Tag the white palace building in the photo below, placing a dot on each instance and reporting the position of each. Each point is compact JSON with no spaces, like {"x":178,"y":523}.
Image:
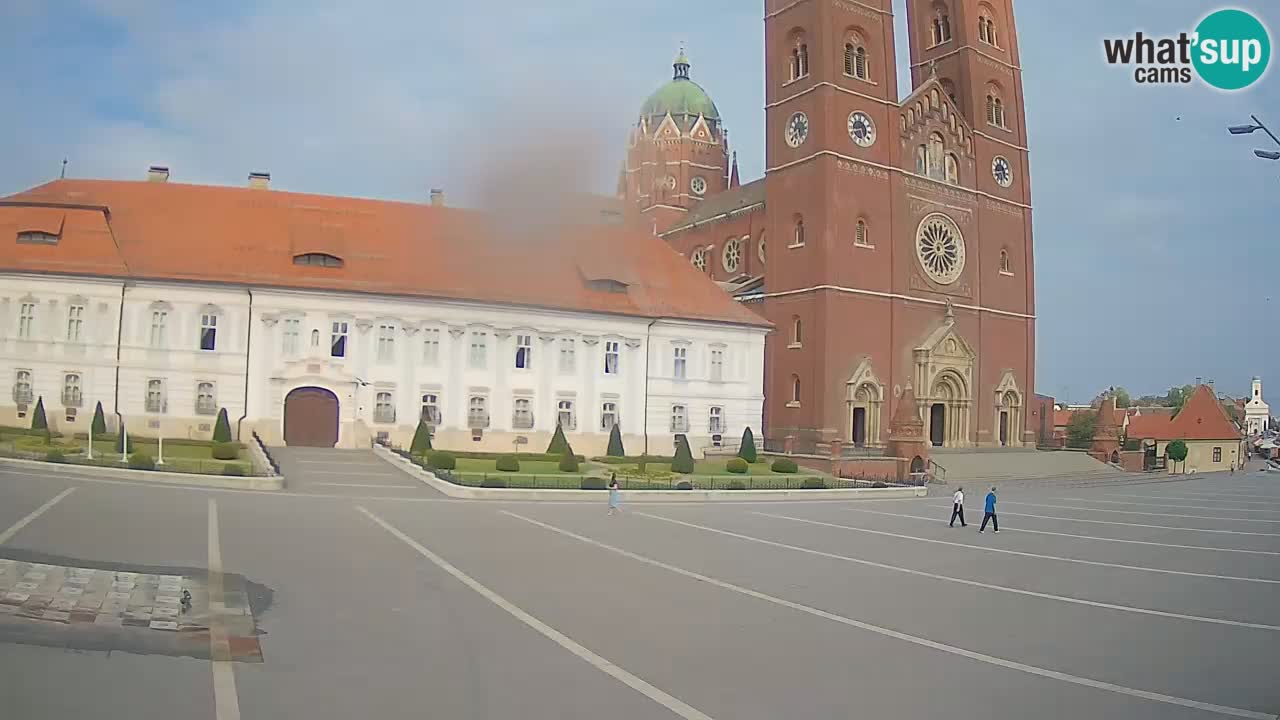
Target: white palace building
{"x":327,"y":321}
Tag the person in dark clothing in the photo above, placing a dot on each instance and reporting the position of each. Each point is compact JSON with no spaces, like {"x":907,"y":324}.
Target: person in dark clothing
{"x":957,"y":509}
{"x":990,"y":513}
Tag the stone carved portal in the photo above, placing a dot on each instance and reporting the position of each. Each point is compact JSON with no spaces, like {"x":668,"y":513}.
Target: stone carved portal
{"x":1008,"y":411}
{"x":944,"y":369}
{"x":864,"y":395}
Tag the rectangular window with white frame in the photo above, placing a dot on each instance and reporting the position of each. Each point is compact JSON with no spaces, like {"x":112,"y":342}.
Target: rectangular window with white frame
{"x":608,"y":416}
{"x":384,"y":407}
{"x":75,"y":323}
{"x":157,"y":399}
{"x":71,"y":394}
{"x":680,"y":362}
{"x":159,"y":328}
{"x":338,"y":340}
{"x":524,"y":352}
{"x":717,"y":364}
{"x":522,"y":414}
{"x":565,"y":415}
{"x":715,"y":420}
{"x":430,"y":409}
{"x":479,"y":357}
{"x":206,"y":401}
{"x":290,"y":334}
{"x":386,"y":344}
{"x":478,"y":412}
{"x":26,"y":319}
{"x":431,"y":347}
{"x":612,"y":357}
{"x":23,"y":394}
{"x":568,"y":356}
{"x":679,"y":419}
{"x":208,"y":331}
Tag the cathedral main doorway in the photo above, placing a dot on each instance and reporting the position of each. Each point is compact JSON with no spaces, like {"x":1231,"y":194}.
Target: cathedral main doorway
{"x":937,"y":424}
{"x":311,"y":418}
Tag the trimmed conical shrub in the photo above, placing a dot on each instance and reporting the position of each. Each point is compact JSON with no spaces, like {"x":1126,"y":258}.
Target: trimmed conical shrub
{"x":99,"y":421}
{"x":421,"y":439}
{"x":222,"y":428}
{"x":559,"y":445}
{"x":615,"y":443}
{"x":38,"y":420}
{"x":683,"y":461}
{"x":747,"y":449}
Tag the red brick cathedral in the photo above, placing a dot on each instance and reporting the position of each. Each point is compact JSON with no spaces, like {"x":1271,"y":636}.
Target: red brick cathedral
{"x":889,"y":241}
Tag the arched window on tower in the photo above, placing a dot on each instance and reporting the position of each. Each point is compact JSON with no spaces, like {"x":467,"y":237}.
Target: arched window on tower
{"x":795,"y":390}
{"x":995,"y":108}
{"x":936,"y":157}
{"x":798,"y":240}
{"x":855,"y":60}
{"x":797,"y":331}
{"x":987,"y":29}
{"x":1005,"y":268}
{"x":861,"y":237}
{"x":849,"y":51}
{"x":804,"y":59}
{"x":795,"y":64}
{"x":953,"y":169}
{"x":922,"y":162}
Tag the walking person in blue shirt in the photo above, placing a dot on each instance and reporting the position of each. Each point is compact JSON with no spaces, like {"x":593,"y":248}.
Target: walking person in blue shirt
{"x":990,"y":513}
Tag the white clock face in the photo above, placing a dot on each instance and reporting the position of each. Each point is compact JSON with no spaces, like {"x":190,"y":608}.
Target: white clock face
{"x":1002,"y":171}
{"x":797,"y":129}
{"x":862,"y":130}
{"x":698,"y":185}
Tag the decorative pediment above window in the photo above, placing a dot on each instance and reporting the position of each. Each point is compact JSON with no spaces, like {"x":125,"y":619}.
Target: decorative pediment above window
{"x":547,"y":338}
{"x":632,"y":343}
{"x":411,"y":330}
{"x":590,"y":340}
{"x":364,"y":325}
{"x":502,"y":334}
{"x":270,"y":320}
{"x":457,"y":330}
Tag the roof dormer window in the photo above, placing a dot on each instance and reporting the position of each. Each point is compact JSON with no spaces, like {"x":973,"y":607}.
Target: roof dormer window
{"x":37,"y":237}
{"x":318,"y":260}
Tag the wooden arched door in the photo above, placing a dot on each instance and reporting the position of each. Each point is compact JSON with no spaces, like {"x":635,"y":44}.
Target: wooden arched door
{"x":311,"y":418}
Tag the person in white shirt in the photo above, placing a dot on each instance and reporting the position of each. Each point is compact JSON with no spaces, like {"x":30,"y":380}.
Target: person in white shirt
{"x":958,"y":510}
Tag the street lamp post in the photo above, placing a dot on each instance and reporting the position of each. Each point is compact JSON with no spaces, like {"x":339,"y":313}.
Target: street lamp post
{"x":1250,"y":129}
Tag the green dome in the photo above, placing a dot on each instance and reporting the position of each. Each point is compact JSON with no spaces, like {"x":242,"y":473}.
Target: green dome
{"x":681,"y":96}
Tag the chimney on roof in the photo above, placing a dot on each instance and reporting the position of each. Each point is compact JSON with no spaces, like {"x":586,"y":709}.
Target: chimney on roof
{"x":437,"y":197}
{"x":1199,"y":381}
{"x":260,"y":180}
{"x":158,"y":173}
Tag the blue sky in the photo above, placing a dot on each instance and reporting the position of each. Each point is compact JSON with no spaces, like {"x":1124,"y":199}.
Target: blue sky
{"x":1155,"y":231}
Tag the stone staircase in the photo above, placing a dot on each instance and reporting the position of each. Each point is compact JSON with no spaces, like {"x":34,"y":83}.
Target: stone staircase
{"x":985,"y":465}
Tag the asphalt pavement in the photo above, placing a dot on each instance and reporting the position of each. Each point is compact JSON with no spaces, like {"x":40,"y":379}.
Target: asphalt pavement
{"x":366,"y":599}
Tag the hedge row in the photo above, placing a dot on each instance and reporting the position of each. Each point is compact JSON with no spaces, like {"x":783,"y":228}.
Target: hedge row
{"x":634,"y":460}
{"x":475,"y":455}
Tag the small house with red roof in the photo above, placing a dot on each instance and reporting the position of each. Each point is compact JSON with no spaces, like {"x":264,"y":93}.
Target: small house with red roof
{"x":1214,"y":442}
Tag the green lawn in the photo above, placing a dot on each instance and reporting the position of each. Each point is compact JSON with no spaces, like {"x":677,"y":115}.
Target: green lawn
{"x":700,"y":467}
{"x":527,"y":467}
{"x":177,"y":458}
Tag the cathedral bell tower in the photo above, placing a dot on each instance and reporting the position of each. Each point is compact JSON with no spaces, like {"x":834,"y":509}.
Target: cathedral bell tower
{"x":677,"y":153}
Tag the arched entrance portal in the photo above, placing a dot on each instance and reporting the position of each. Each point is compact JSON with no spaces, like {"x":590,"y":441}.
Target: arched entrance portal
{"x":937,"y":424}
{"x":311,"y":418}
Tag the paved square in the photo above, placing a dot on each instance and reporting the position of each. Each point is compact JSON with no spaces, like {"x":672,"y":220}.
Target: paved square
{"x":1134,"y":599}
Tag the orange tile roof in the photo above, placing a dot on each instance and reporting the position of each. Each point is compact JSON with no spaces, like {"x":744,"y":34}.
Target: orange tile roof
{"x":1204,"y":418}
{"x":173,"y":231}
{"x":1201,"y":418}
{"x":1061,"y":418}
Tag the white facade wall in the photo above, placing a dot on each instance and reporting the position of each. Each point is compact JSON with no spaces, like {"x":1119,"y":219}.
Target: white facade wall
{"x":252,"y":370}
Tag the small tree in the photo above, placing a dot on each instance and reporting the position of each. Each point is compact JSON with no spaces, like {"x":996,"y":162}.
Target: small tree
{"x":683,"y":461}
{"x":1176,"y":451}
{"x":38,"y":420}
{"x":421,"y":439}
{"x":222,"y":428}
{"x":559,"y":445}
{"x":99,"y":422}
{"x":1080,"y":429}
{"x":747,"y":448}
{"x":615,"y":443}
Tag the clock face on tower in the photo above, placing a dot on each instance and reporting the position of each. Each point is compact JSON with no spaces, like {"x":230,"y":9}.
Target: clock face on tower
{"x":1002,"y":171}
{"x":861,"y":129}
{"x":797,"y":130}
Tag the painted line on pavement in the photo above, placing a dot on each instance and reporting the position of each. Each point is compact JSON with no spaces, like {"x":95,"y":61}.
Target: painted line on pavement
{"x":664,"y":699}
{"x":349,"y":473}
{"x":7,"y":535}
{"x":327,"y":463}
{"x":1198,"y":496}
{"x":1183,"y":498}
{"x":1175,"y":507}
{"x":225,"y":700}
{"x":913,"y":639}
{"x":965,"y":581}
{"x":1080,"y":537}
{"x":356,"y":485}
{"x":1136,"y":512}
{"x":1121,"y":566}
